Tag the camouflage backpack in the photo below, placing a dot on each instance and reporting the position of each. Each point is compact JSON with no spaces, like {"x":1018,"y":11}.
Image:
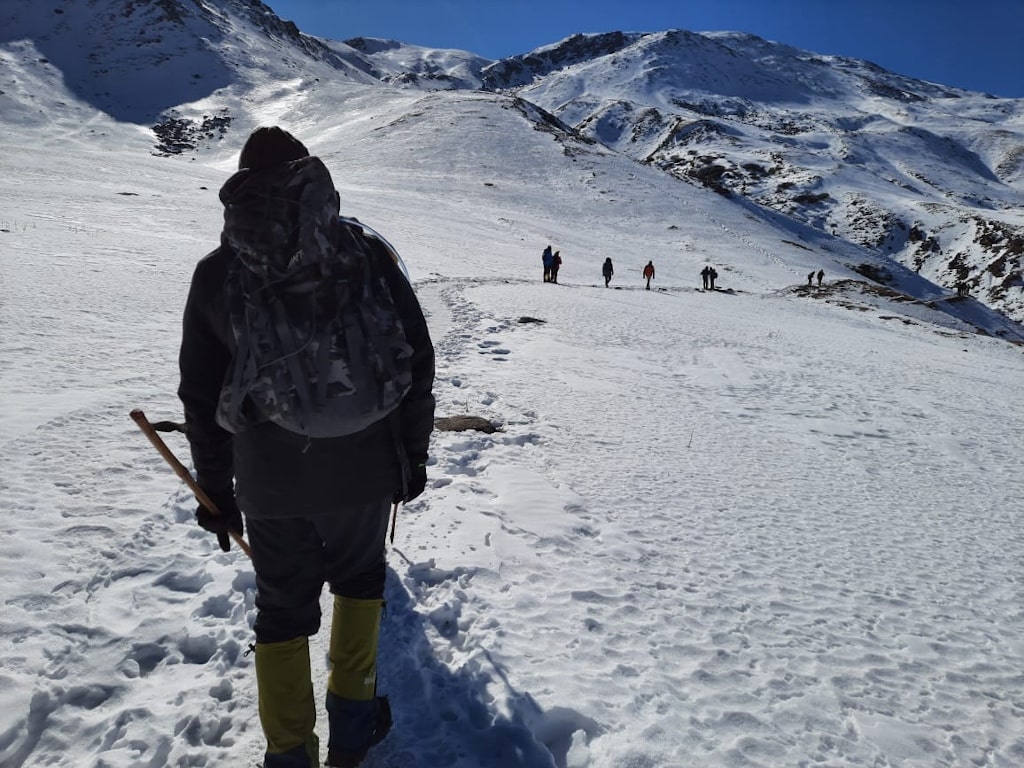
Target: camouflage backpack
{"x":320,"y":346}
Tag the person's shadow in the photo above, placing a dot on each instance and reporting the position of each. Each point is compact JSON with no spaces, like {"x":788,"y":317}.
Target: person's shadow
{"x":445,"y":717}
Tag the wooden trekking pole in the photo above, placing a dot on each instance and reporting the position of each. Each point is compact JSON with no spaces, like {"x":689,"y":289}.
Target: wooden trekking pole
{"x":181,"y":471}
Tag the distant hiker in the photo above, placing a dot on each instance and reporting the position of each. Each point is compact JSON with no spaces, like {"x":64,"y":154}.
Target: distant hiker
{"x":556,"y":262}
{"x":712,"y":276}
{"x":705,"y":276}
{"x":810,"y":278}
{"x":313,"y":470}
{"x":962,"y":289}
{"x":547,"y":258}
{"x":821,"y":274}
{"x":607,"y":271}
{"x":649,"y":273}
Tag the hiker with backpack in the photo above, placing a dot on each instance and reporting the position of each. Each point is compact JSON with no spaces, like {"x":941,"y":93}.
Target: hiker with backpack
{"x":547,"y":258}
{"x":306,"y":377}
{"x":556,"y":263}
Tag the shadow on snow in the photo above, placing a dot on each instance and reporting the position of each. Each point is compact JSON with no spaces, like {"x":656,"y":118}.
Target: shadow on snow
{"x":446,"y":716}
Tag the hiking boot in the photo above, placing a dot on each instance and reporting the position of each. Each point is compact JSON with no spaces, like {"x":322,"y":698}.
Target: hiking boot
{"x":343,"y":758}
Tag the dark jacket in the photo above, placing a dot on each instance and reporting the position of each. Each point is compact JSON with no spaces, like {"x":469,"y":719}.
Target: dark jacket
{"x":279,"y":473}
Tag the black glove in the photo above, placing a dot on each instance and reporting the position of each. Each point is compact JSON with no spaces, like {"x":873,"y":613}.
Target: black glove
{"x":229,"y":519}
{"x":417,"y":482}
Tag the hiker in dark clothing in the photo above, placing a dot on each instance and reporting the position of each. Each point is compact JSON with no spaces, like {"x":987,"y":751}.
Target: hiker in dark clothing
{"x":705,"y":276}
{"x":821,"y":275}
{"x":810,"y":278}
{"x":547,"y":258}
{"x":649,"y":273}
{"x":607,"y":271}
{"x":316,"y":508}
{"x":712,"y":276}
{"x":556,"y":263}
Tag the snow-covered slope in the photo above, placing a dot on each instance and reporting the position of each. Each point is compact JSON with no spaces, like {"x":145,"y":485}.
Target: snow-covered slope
{"x":771,"y":524}
{"x":931,"y":175}
{"x":412,"y":65}
{"x":185,"y":68}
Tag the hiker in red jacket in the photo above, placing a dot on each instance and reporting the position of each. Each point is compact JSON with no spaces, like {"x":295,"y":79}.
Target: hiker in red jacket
{"x":649,"y":273}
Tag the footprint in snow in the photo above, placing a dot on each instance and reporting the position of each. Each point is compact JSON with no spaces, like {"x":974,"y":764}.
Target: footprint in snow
{"x":493,"y":348}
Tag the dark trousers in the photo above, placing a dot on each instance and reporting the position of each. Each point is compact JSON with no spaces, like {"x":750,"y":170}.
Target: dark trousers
{"x":295,"y":556}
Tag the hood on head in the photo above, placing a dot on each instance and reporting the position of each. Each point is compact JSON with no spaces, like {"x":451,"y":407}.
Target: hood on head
{"x":270,"y":146}
{"x":281,"y":218}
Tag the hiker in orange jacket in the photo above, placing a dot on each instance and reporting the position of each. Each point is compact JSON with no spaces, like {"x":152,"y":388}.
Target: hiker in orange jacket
{"x":649,"y":273}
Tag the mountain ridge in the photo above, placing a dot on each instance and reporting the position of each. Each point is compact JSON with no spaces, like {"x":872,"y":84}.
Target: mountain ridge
{"x":931,"y":175}
{"x":928,"y":176}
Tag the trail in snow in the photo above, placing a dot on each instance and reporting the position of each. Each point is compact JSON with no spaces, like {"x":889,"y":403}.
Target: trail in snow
{"x":715,"y":549}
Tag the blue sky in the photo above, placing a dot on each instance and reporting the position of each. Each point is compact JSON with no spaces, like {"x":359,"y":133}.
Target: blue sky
{"x":974,"y":44}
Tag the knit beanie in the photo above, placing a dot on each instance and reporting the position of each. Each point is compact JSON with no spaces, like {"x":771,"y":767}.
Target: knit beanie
{"x":267,"y":147}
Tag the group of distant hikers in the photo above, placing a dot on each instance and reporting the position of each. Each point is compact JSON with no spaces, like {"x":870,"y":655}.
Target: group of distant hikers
{"x":708,"y":275}
{"x":552,"y":260}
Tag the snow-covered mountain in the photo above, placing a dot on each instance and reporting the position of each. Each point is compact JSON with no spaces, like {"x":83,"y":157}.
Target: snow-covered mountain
{"x":412,"y":65}
{"x":929,"y":176}
{"x":184,"y":69}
